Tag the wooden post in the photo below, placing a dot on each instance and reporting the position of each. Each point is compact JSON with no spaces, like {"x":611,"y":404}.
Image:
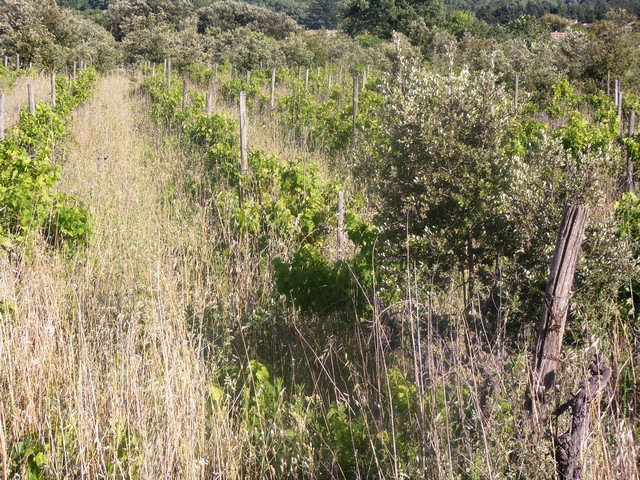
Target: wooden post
{"x":306,"y":79}
{"x":243,"y":132}
{"x":164,"y":67}
{"x":91,"y":60}
{"x":184,"y":93}
{"x":17,"y":61}
{"x":207,"y":104}
{"x":355,"y":111}
{"x":1,"y":116}
{"x":556,"y":305}
{"x":53,"y":90}
{"x":272,"y":99}
{"x":30,"y":65}
{"x":299,"y":72}
{"x":168,"y":73}
{"x":75,"y":67}
{"x":153,"y":70}
{"x":515,"y":93}
{"x":31,"y":99}
{"x":216,"y":73}
{"x":620,"y":113}
{"x":616,"y":93}
{"x":6,"y":61}
{"x":340,"y":223}
{"x":608,"y":83}
{"x":629,"y":185}
{"x":248,"y":77}
{"x":364,"y":80}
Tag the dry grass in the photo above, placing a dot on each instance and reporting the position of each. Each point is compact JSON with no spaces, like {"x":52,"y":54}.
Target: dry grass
{"x":16,"y":98}
{"x":108,"y":358}
{"x":98,"y":354}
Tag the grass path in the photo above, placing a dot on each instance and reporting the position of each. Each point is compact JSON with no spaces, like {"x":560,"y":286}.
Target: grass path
{"x":106,"y":373}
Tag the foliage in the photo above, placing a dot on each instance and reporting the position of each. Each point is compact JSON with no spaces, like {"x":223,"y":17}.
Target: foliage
{"x":28,"y":459}
{"x":53,"y":37}
{"x":229,"y":16}
{"x":126,"y":16}
{"x":29,"y":174}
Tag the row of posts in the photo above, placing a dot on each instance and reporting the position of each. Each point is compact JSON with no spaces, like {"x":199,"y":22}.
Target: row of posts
{"x":242,"y":114}
{"x":31,"y":100}
{"x":82,"y":64}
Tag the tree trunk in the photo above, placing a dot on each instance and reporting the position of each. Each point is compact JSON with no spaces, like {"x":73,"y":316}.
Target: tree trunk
{"x":569,"y":444}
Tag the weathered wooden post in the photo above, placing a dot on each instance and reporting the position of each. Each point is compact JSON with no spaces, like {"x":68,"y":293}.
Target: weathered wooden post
{"x":628,"y":183}
{"x":31,"y":99}
{"x":164,"y":67}
{"x":168,"y":73}
{"x":306,"y":79}
{"x":216,"y":72}
{"x":299,"y":72}
{"x":30,"y":65}
{"x":364,"y":80}
{"x":207,"y":104}
{"x":184,"y":94}
{"x":272,"y":97}
{"x":556,"y":305}
{"x":355,"y":111}
{"x":248,"y":77}
{"x":75,"y":68}
{"x":153,"y":69}
{"x":17,"y":61}
{"x":616,"y":93}
{"x":340,"y":223}
{"x":6,"y":61}
{"x":53,"y":89}
{"x":620,"y":110}
{"x":243,"y":132}
{"x":608,"y":83}
{"x":515,"y":92}
{"x":1,"y":116}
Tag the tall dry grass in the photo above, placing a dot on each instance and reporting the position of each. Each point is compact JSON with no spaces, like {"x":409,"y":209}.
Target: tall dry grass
{"x":16,"y":98}
{"x":97,"y":355}
{"x":112,"y":359}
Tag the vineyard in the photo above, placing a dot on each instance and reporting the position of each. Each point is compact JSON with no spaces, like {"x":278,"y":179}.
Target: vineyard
{"x":230,"y":248}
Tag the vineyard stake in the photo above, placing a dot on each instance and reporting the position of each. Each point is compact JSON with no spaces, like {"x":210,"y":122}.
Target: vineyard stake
{"x":555,"y":308}
{"x":53,"y":89}
{"x":272,"y":99}
{"x":340,"y":223}
{"x":31,"y":99}
{"x":515,"y":93}
{"x":355,"y":110}
{"x":17,"y":61}
{"x":306,"y":79}
{"x":1,"y":116}
{"x":629,"y":184}
{"x":207,"y":104}
{"x":184,"y":94}
{"x":243,"y":132}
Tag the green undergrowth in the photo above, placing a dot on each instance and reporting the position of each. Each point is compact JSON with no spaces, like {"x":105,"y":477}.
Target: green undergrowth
{"x":30,"y":170}
{"x":284,"y":199}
